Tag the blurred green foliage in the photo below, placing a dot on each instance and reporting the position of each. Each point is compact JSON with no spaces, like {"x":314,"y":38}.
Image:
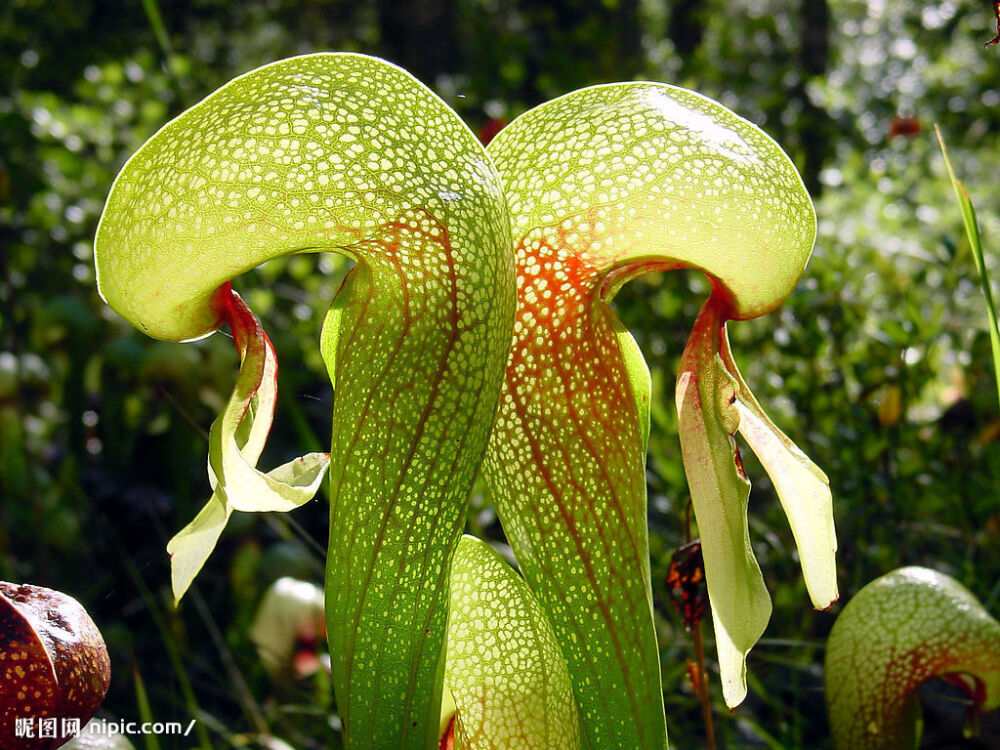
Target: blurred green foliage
{"x":878,"y":365}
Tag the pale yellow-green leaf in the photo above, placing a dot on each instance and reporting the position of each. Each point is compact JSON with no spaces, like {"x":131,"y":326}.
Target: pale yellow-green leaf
{"x":720,"y":490}
{"x":191,"y":546}
{"x":803,"y":489}
{"x":234,"y":445}
{"x":806,"y":499}
{"x":505,"y":671}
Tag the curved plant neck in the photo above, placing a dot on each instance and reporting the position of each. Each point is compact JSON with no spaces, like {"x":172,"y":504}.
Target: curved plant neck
{"x":566,"y":463}
{"x":603,"y":184}
{"x":413,"y":404}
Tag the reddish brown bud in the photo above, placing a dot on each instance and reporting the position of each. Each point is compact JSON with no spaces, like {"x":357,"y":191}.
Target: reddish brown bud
{"x":489,"y":130}
{"x":53,"y":665}
{"x":909,"y":127}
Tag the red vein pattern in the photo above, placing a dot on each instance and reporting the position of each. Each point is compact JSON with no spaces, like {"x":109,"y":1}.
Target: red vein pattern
{"x":564,"y":459}
{"x":603,"y":184}
{"x":412,"y":407}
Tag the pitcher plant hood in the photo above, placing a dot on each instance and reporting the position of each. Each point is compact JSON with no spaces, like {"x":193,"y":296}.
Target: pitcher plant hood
{"x":605,"y":184}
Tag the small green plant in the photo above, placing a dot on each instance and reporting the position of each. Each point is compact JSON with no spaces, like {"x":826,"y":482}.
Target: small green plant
{"x":897,"y":632}
{"x":350,"y":154}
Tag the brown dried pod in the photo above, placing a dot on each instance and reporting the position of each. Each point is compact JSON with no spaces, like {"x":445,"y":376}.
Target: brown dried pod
{"x":54,"y":667}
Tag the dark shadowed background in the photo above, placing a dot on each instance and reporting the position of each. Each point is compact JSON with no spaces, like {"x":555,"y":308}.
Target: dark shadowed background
{"x":878,"y":365}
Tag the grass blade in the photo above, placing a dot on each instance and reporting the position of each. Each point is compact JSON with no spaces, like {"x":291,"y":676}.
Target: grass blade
{"x":972,"y":232}
{"x":145,"y":712}
{"x":159,"y":28}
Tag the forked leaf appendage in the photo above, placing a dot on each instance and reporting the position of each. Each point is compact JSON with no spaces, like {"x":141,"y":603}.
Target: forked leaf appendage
{"x":236,"y":441}
{"x":720,"y":490}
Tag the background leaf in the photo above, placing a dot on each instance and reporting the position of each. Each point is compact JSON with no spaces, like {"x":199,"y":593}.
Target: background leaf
{"x":975,"y":244}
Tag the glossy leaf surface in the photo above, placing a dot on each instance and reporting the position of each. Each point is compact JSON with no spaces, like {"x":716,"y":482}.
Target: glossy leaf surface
{"x":605,"y":184}
{"x":53,"y":665}
{"x":351,"y":154}
{"x":895,"y":634}
{"x":505,"y":670}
